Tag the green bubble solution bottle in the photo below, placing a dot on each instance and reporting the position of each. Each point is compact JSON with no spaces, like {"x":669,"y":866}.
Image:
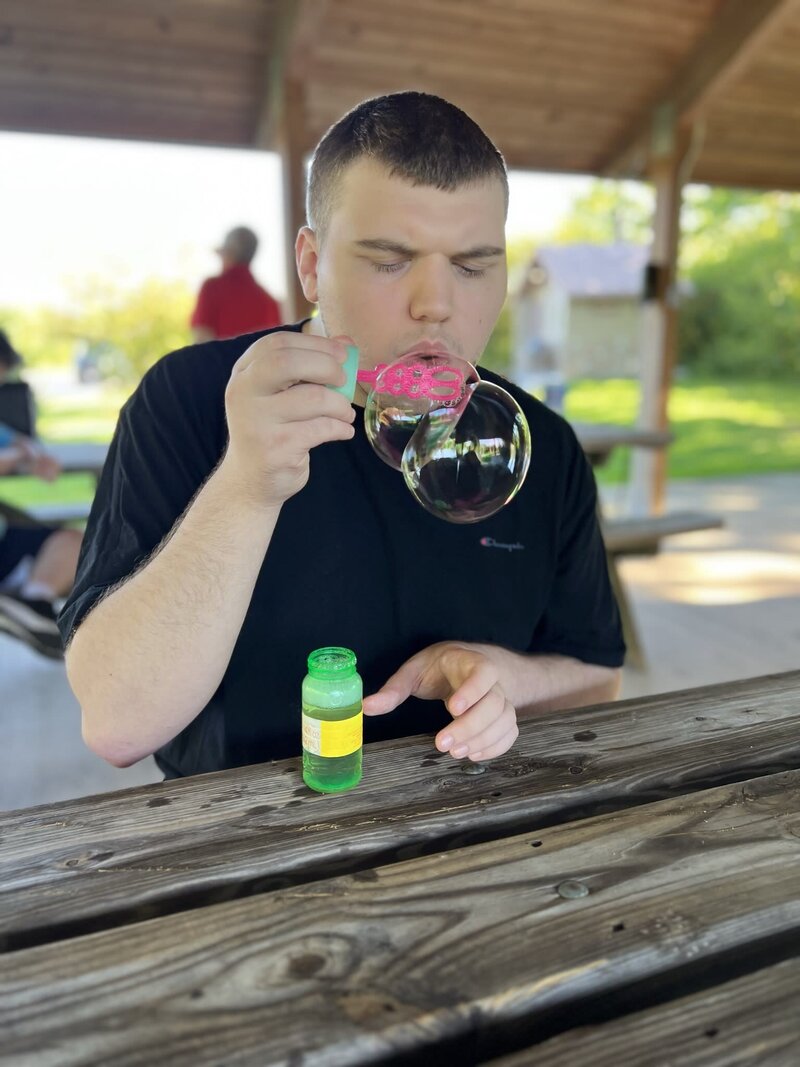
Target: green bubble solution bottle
{"x":332,"y":721}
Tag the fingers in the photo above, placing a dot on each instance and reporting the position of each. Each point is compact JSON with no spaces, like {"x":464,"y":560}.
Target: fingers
{"x":483,"y":728}
{"x":302,"y":402}
{"x":399,"y":687}
{"x":472,"y":676}
{"x":317,"y":431}
{"x":278,"y":361}
{"x":381,"y":703}
{"x":501,"y":746}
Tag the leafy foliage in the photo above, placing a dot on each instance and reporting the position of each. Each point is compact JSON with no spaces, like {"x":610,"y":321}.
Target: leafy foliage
{"x":609,"y":212}
{"x":133,"y":327}
{"x":742,"y":257}
{"x":740,"y":254}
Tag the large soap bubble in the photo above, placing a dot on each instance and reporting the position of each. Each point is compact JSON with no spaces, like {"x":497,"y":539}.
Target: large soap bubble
{"x":462,"y":444}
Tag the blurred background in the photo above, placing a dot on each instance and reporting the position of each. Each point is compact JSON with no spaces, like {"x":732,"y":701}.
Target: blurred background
{"x":654,"y":284}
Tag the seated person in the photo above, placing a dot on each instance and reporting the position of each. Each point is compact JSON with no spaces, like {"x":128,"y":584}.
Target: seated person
{"x":243,"y":519}
{"x":26,"y":455}
{"x":10,"y":359}
{"x":37,"y":564}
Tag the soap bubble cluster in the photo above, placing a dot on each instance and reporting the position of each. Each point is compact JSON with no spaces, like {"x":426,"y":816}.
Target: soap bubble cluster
{"x":461,"y":443}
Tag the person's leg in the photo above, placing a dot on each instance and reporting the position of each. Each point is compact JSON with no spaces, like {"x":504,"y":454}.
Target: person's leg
{"x":54,"y":566}
{"x":28,"y":614}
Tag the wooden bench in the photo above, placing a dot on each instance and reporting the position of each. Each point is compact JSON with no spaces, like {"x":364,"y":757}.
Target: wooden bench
{"x":44,"y":514}
{"x":630,"y":868}
{"x":642,"y":536}
{"x":58,"y":514}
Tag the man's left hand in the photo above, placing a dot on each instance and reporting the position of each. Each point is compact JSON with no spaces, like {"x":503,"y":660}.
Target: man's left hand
{"x":484,"y":722}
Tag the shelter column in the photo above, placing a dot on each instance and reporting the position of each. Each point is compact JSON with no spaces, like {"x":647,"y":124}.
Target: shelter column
{"x":291,"y":142}
{"x":659,"y":324}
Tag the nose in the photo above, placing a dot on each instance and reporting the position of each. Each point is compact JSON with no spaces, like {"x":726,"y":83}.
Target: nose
{"x":431,"y":296}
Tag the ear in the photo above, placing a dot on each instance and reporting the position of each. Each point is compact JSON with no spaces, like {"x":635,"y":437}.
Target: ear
{"x":306,"y":257}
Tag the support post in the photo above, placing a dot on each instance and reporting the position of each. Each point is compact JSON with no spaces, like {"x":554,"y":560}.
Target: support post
{"x":291,"y":143}
{"x":659,"y":323}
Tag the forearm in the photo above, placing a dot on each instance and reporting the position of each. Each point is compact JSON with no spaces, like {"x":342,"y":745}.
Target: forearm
{"x":11,"y":456}
{"x":149,"y":656}
{"x":535,"y":683}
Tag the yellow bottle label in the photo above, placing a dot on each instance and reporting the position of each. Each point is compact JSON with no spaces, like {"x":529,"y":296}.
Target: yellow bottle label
{"x":332,"y":737}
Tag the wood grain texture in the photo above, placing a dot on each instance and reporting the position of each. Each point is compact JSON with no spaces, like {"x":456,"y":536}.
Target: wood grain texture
{"x":751,"y":1022}
{"x":633,"y":534}
{"x":87,"y":864}
{"x":495,"y":58}
{"x":453,"y":955}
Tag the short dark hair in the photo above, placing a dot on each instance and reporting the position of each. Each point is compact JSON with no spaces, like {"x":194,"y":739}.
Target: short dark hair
{"x":241,"y":244}
{"x":416,"y":136}
{"x":9,"y":356}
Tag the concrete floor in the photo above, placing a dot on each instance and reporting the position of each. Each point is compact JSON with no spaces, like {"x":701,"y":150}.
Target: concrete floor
{"x":712,"y":607}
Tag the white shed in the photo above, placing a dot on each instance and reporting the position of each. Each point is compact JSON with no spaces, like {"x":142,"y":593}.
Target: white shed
{"x":575,"y":313}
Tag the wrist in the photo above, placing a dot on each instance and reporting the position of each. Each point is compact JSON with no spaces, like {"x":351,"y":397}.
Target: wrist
{"x":241,"y":492}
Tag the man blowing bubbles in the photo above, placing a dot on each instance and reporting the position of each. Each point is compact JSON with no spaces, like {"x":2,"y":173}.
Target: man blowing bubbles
{"x":243,"y":519}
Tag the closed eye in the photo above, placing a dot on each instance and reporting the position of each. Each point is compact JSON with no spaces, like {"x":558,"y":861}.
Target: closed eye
{"x":462,"y":268}
{"x":470,"y":272}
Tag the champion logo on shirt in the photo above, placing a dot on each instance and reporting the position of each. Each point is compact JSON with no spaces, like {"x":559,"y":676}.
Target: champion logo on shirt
{"x":489,"y":542}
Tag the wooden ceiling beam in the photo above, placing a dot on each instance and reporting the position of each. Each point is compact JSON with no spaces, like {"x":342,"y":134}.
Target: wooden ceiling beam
{"x":236,"y":29}
{"x":119,"y":124}
{"x":567,"y":62}
{"x":35,"y":47}
{"x":745,"y":178}
{"x":537,"y":39}
{"x":296,"y":29}
{"x":733,"y":39}
{"x":477,"y":16}
{"x":536,"y":87}
{"x":142,"y":82}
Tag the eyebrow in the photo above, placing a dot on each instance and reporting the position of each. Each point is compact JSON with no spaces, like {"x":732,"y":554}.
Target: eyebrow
{"x":382,"y":244}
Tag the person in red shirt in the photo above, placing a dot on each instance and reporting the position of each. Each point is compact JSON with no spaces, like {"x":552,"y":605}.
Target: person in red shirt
{"x":233,"y":303}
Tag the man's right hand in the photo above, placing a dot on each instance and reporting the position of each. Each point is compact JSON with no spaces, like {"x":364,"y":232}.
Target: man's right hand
{"x":278,"y":409}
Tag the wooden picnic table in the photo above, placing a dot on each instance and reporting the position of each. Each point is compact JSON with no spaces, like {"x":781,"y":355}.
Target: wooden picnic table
{"x":620,"y":888}
{"x":79,"y":456}
{"x":74,"y":457}
{"x":599,"y":439}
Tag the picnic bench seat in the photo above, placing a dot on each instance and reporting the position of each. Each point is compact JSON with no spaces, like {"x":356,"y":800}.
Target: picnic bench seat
{"x":642,"y":535}
{"x":57,"y":514}
{"x":44,"y":514}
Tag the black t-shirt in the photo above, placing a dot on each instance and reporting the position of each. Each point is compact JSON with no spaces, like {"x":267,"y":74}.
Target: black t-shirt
{"x":354,"y":561}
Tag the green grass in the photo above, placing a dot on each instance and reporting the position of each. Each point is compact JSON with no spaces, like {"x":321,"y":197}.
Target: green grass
{"x":89,"y":419}
{"x":721,"y":430}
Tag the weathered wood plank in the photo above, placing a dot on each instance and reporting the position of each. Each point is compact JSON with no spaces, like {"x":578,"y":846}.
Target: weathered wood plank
{"x":752,"y":1021}
{"x":233,"y":27}
{"x":739,"y":32}
{"x":85,"y":864}
{"x":456,"y":955}
{"x":645,"y":532}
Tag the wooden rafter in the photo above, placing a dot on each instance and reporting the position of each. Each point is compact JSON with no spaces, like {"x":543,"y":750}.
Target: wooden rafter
{"x":297,"y":25}
{"x":733,"y":39}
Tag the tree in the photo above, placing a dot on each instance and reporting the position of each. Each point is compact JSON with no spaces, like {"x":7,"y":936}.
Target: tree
{"x":742,"y":259}
{"x":609,"y":212}
{"x":139,"y":325}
